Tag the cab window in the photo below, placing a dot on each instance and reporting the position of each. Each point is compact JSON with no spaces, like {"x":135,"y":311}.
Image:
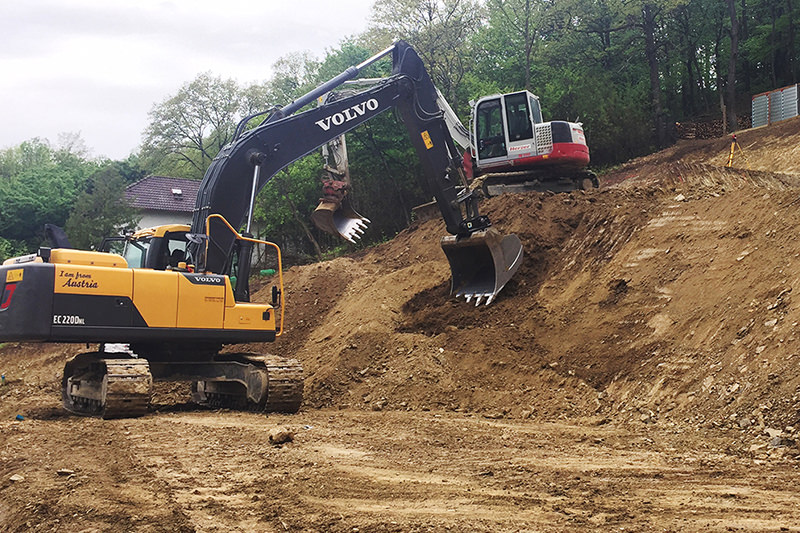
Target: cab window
{"x":135,"y":252}
{"x":175,"y":249}
{"x":537,"y":110}
{"x":519,"y":118}
{"x":490,"y":130}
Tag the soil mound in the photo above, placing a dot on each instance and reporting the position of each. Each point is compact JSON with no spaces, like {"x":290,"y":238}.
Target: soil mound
{"x":669,"y":294}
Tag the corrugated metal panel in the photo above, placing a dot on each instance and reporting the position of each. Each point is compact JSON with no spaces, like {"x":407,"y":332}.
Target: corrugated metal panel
{"x":789,"y":103}
{"x":775,"y":106}
{"x":760,"y":110}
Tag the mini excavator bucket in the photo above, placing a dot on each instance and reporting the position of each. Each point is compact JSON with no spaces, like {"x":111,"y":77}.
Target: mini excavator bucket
{"x":482,"y":263}
{"x":339,"y":218}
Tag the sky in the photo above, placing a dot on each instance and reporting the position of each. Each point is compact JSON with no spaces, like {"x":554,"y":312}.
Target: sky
{"x":97,"y":67}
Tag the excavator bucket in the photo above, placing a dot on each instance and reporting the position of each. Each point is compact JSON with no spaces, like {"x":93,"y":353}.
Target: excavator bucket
{"x":482,"y":263}
{"x":339,"y":218}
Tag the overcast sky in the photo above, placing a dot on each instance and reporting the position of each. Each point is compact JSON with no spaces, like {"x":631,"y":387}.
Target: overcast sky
{"x":97,"y":66}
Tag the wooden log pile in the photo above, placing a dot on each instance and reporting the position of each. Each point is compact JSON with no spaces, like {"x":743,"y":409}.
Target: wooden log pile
{"x":707,"y":129}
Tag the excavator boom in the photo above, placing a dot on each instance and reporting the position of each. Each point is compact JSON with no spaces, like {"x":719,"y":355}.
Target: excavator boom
{"x":260,"y":153}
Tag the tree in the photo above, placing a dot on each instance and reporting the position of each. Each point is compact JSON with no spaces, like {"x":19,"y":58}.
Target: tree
{"x":130,"y":169}
{"x":527,"y":20}
{"x":284,"y":205}
{"x":100,"y":210}
{"x":187,"y":130}
{"x":292,"y":76}
{"x":35,"y":153}
{"x":438,"y":29}
{"x":734,"y":52}
{"x":649,"y":28}
{"x":38,"y":185}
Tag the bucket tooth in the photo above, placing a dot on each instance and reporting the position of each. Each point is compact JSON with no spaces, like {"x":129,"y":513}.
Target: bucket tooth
{"x":482,"y":263}
{"x":339,"y":218}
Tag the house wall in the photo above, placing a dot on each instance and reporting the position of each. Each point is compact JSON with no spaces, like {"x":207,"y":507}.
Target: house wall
{"x":152,"y":218}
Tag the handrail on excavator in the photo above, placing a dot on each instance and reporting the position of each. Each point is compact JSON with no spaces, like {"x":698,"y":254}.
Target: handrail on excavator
{"x":259,"y":241}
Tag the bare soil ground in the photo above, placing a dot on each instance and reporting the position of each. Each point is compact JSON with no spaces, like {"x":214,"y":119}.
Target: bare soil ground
{"x":640,"y":373}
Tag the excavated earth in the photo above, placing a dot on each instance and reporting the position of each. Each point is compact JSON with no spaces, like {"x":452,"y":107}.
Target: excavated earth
{"x":640,"y":373}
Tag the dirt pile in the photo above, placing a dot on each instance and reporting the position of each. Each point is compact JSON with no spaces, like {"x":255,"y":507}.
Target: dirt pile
{"x":772,"y":149}
{"x":669,"y":296}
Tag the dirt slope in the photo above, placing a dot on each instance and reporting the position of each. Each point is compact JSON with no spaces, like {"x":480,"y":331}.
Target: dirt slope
{"x":772,"y":149}
{"x":669,"y":295}
{"x":642,"y":363}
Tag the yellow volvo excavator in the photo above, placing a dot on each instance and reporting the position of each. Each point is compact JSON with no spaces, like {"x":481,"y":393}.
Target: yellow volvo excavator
{"x":163,"y":307}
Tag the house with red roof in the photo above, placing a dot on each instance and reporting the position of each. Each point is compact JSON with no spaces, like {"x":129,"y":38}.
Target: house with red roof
{"x":162,"y":200}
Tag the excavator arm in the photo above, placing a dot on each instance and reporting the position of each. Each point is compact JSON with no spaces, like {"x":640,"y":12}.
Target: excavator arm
{"x":481,"y":260}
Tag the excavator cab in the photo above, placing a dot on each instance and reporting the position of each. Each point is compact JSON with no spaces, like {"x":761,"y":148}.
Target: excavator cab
{"x":510,"y":135}
{"x":158,"y":248}
{"x":505,"y":124}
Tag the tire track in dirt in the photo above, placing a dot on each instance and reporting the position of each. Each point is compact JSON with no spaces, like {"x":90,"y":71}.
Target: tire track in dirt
{"x":409,"y":471}
{"x":105,"y":487}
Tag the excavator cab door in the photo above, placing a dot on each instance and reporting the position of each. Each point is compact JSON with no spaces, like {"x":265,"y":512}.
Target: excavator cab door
{"x":518,"y":117}
{"x":135,"y":252}
{"x":490,"y":130}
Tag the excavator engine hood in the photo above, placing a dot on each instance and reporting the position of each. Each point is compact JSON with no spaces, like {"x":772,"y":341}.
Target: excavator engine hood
{"x":482,"y":263}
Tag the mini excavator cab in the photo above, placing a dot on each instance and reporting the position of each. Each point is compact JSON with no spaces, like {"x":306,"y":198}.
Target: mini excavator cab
{"x":505,"y":123}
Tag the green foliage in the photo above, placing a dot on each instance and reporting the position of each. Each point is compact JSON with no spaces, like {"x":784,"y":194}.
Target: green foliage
{"x":42,"y":185}
{"x":38,"y":185}
{"x":439,"y":30}
{"x":188,"y":129}
{"x":35,"y":153}
{"x":10,"y":248}
{"x":283,"y":208}
{"x":350,"y":52}
{"x":130,"y":169}
{"x":100,"y":210}
{"x":386,"y":175}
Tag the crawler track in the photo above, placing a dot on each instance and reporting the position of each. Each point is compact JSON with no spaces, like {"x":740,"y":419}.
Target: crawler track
{"x":95,"y":385}
{"x":273,"y":384}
